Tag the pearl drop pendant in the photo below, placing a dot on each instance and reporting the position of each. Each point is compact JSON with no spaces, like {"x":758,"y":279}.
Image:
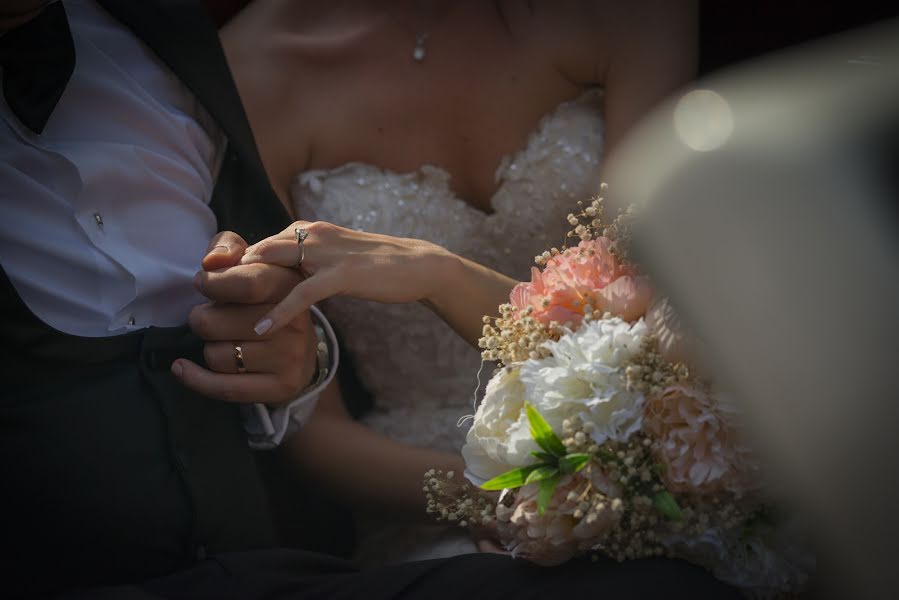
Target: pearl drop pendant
{"x":419,"y":53}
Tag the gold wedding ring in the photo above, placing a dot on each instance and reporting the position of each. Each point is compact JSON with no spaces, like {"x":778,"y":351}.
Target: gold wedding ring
{"x":238,"y":355}
{"x":300,"y":234}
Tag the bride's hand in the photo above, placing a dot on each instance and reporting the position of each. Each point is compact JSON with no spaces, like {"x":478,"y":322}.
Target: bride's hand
{"x":486,"y":538}
{"x":342,"y":262}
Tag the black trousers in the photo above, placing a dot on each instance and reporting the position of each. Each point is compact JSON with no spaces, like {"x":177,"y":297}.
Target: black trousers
{"x":290,"y":574}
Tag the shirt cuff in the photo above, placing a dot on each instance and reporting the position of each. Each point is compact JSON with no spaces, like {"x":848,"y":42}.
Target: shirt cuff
{"x":287,"y":419}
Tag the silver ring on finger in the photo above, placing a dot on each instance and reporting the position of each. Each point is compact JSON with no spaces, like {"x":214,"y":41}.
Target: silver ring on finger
{"x":238,"y":356}
{"x":301,"y":234}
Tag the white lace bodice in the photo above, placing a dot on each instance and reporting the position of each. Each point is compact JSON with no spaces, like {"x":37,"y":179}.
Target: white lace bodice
{"x":421,"y":374}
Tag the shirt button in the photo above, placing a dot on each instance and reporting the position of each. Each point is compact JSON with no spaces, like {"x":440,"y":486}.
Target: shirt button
{"x":98,"y":219}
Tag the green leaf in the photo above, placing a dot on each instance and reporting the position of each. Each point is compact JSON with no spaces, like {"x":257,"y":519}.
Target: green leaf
{"x":542,"y":433}
{"x":573,"y":463}
{"x":545,"y":494}
{"x":545,"y":457}
{"x":541,"y":473}
{"x":667,"y":505}
{"x":510,"y":479}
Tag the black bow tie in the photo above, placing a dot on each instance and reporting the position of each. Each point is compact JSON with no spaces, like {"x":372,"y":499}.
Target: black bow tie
{"x":37,"y":59}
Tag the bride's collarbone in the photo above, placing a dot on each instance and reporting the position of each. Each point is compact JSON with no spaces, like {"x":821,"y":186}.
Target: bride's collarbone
{"x":468,"y":139}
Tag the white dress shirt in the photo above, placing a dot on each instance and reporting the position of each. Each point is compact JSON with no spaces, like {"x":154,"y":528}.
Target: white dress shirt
{"x":105,"y":217}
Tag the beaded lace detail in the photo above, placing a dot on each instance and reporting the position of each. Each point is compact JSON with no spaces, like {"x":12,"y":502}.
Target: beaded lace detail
{"x":421,"y":374}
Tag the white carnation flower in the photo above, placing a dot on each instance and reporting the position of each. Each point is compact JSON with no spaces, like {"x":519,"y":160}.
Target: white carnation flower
{"x":584,"y":377}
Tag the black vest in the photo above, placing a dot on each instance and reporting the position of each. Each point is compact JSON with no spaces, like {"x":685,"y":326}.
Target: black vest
{"x":111,"y":470}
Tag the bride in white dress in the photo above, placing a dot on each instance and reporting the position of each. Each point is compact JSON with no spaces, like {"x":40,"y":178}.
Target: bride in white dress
{"x":421,"y":375}
{"x":476,"y":126}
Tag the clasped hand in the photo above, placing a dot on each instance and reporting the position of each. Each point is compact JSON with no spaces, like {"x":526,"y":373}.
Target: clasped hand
{"x":278,"y":364}
{"x":342,"y":262}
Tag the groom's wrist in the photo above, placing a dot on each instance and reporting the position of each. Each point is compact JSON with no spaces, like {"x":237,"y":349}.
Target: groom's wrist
{"x":290,"y":418}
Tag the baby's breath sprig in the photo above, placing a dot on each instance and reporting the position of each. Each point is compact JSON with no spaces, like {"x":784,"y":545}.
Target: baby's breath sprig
{"x":454,"y":501}
{"x":589,"y":224}
{"x":647,"y":509}
{"x":642,"y":509}
{"x":515,"y":336}
{"x":649,"y":373}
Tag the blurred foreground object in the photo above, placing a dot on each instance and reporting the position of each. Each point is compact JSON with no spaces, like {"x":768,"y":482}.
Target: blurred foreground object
{"x":771,"y":196}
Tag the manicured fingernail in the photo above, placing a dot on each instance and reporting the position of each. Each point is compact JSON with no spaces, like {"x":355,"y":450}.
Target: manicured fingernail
{"x":251,"y":258}
{"x":177,"y":369}
{"x":263,"y":326}
{"x":219,"y":250}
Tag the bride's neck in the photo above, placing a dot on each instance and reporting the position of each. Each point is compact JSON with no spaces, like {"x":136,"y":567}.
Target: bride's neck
{"x":323,"y":18}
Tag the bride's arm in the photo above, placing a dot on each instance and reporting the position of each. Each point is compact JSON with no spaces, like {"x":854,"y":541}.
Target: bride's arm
{"x":343,"y":262}
{"x":467,"y":293}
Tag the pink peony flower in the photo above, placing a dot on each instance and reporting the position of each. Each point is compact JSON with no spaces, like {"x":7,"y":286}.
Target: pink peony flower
{"x":587,"y":274}
{"x":697,"y":442}
{"x":554,"y":537}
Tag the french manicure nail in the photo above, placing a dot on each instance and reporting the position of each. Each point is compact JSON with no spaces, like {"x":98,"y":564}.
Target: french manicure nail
{"x":263,"y":326}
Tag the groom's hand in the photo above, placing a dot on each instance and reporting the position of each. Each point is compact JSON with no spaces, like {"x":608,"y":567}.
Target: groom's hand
{"x":278,"y":366}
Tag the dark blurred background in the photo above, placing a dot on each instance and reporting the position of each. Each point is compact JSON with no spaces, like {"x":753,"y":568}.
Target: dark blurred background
{"x":734,"y":31}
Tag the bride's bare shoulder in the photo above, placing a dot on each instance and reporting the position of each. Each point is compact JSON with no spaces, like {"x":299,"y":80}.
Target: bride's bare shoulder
{"x":584,"y":37}
{"x":639,"y":51}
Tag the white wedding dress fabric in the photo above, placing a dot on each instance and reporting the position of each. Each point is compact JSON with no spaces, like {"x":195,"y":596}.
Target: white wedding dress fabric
{"x":422,"y":376}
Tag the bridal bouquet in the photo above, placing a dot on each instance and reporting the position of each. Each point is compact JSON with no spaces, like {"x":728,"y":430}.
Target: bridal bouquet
{"x":599,"y":436}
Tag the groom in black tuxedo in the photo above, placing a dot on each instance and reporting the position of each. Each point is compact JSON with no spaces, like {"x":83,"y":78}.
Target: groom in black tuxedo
{"x":126,"y":470}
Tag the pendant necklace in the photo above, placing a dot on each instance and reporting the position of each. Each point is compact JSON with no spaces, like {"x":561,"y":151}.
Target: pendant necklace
{"x":419,"y":53}
{"x":420,"y":50}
